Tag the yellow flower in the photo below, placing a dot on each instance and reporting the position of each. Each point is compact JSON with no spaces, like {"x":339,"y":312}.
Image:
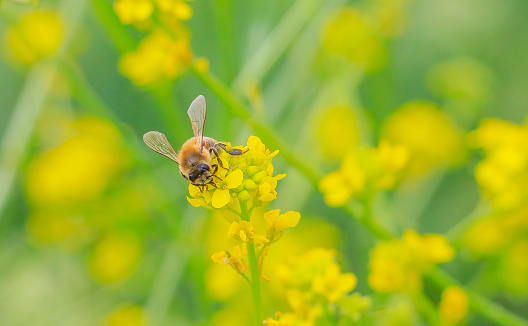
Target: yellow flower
{"x":158,"y":58}
{"x":127,"y":315}
{"x":79,"y":169}
{"x":133,"y":11}
{"x":364,"y":172}
{"x":350,"y":35}
{"x":175,"y":8}
{"x":503,"y":174}
{"x":236,"y":259}
{"x":338,"y":131}
{"x":115,"y":257}
{"x":275,"y":321}
{"x":454,"y":305}
{"x":390,"y":16}
{"x":249,"y":181}
{"x":431,"y":138}
{"x":332,"y":284}
{"x":397,"y":265}
{"x":245,"y":232}
{"x":354,"y":305}
{"x":37,"y":35}
{"x":276,"y":223}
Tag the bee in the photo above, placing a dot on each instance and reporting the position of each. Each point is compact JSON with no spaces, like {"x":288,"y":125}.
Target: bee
{"x":197,"y":153}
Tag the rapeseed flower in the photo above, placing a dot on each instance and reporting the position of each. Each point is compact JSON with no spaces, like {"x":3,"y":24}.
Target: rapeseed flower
{"x":432,"y":139}
{"x":397,"y":265}
{"x":133,"y":11}
{"x":127,"y":315}
{"x":316,"y":288}
{"x":351,"y":35}
{"x":37,"y":35}
{"x":338,"y":131}
{"x":453,"y":306}
{"x":159,"y":57}
{"x":503,"y":174}
{"x":364,"y":172}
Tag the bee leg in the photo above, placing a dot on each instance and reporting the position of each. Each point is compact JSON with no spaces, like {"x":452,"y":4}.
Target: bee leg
{"x":213,"y":150}
{"x":233,"y":151}
{"x":218,"y":177}
{"x":215,"y":168}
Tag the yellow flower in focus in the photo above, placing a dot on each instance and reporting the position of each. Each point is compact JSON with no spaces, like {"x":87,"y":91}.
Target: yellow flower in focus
{"x":37,"y":35}
{"x":364,"y":172}
{"x":245,"y":232}
{"x":128,"y":315}
{"x":338,"y":131}
{"x":432,"y":139}
{"x":332,"y":284}
{"x":397,"y":265}
{"x":275,"y":321}
{"x":158,"y":58}
{"x":236,"y":259}
{"x":351,"y":35}
{"x":453,"y":306}
{"x":133,"y":11}
{"x":79,"y":169}
{"x":115,"y":257}
{"x":276,"y":223}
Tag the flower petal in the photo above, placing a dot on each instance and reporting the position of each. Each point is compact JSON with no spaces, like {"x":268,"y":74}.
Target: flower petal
{"x":220,"y":198}
{"x":234,"y":179}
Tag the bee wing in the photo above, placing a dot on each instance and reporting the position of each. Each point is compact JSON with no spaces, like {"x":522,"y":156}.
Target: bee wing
{"x":157,"y":142}
{"x":197,"y":112}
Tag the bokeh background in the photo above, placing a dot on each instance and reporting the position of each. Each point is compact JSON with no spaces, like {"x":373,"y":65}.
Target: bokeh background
{"x":95,"y":229}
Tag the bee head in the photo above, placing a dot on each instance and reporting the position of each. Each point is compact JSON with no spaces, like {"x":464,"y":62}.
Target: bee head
{"x":202,"y":175}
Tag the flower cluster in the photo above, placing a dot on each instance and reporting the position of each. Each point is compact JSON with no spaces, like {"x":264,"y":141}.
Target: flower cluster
{"x":358,"y":35}
{"x":433,"y":140}
{"x":245,"y":183}
{"x":453,"y":306}
{"x":37,"y":35}
{"x":502,"y":177}
{"x":397,"y":265}
{"x":363,"y":172}
{"x":165,"y":52}
{"x":317,"y":290}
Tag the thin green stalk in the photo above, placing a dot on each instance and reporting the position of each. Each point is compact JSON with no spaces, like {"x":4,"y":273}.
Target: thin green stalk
{"x":478,"y":303}
{"x":245,"y":215}
{"x":426,"y":308}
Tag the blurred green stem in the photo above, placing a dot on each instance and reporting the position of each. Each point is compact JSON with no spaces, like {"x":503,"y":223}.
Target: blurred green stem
{"x":479,"y":303}
{"x":245,"y":215}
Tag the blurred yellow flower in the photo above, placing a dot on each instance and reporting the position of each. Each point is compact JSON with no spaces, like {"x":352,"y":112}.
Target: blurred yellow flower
{"x":80,"y":168}
{"x":133,"y":11}
{"x":158,"y":58}
{"x":503,"y":174}
{"x":332,"y":284}
{"x":364,"y":172}
{"x":351,"y":35}
{"x":178,"y":9}
{"x":390,"y":16}
{"x":58,"y":227}
{"x":453,"y":306}
{"x":115,"y":257}
{"x":338,"y":131}
{"x":37,"y":35}
{"x":127,"y":315}
{"x":397,"y":265}
{"x":432,"y":139}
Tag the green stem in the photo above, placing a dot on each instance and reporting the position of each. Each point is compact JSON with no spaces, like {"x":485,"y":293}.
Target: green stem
{"x":483,"y":306}
{"x":121,"y":38}
{"x":255,"y":283}
{"x":253,"y":269}
{"x":426,"y":308}
{"x":479,"y":304}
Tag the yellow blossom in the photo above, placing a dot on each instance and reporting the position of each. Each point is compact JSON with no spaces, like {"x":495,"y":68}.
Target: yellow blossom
{"x":397,"y":265}
{"x":133,"y":11}
{"x":245,"y":232}
{"x":363,"y":172}
{"x":276,"y":223}
{"x":127,"y":315}
{"x":338,"y":131}
{"x":158,"y":58}
{"x":351,"y":35}
{"x":236,"y":259}
{"x":332,"y":284}
{"x":115,"y":257}
{"x":37,"y":35}
{"x":178,"y":9}
{"x":80,"y":168}
{"x":453,"y":305}
{"x":431,"y":138}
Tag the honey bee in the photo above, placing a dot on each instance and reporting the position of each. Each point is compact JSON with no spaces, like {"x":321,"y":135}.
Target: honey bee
{"x":196,"y":154}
